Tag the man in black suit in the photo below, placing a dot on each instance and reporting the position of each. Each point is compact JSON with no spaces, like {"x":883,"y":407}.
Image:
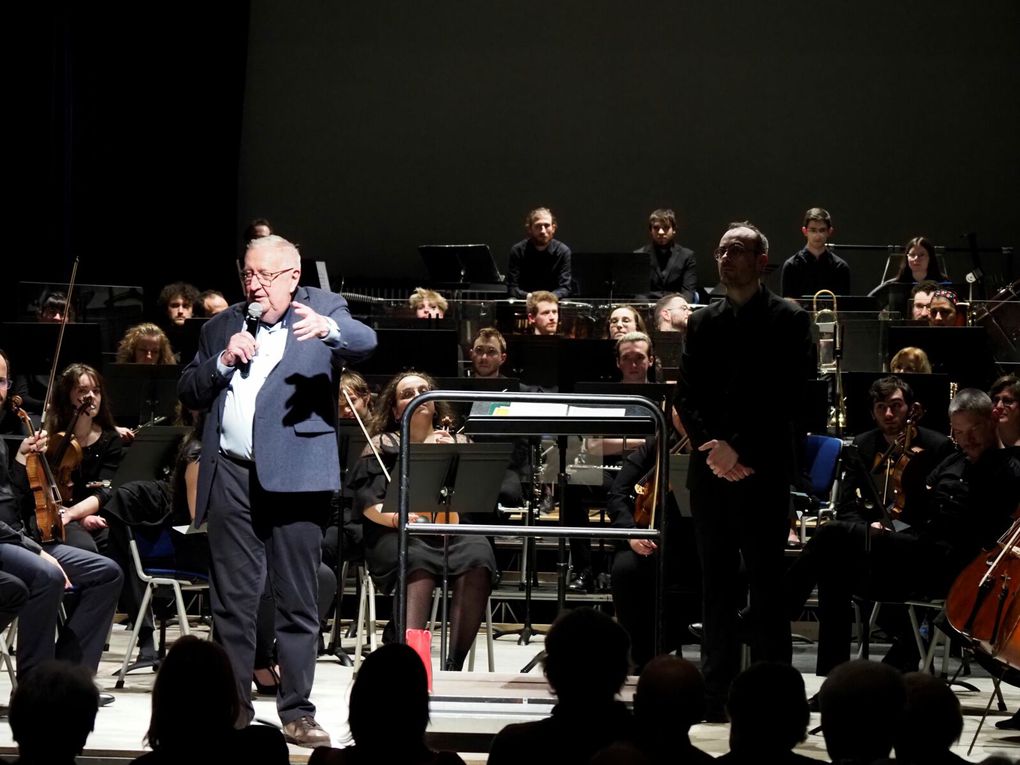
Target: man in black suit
{"x":671,"y":267}
{"x":743,"y":375}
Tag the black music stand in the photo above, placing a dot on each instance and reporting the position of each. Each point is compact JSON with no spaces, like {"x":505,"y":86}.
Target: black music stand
{"x":434,"y":351}
{"x":451,"y":478}
{"x":351,"y":442}
{"x":615,"y":275}
{"x":660,"y":393}
{"x":963,"y":353}
{"x":151,"y":455}
{"x":558,"y":363}
{"x":30,"y":346}
{"x":142,"y":393}
{"x":460,"y":266}
{"x":668,"y":347}
{"x":185,"y":339}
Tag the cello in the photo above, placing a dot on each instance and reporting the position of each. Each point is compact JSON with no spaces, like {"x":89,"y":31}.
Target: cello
{"x":983,"y":604}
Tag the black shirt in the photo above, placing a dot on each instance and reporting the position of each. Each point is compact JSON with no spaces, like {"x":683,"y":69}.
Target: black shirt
{"x":804,"y":274}
{"x":531,"y":269}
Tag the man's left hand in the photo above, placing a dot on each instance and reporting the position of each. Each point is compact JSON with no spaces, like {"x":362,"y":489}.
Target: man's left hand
{"x":311,"y":326}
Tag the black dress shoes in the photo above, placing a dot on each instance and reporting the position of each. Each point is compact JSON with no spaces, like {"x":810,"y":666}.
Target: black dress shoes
{"x":583,"y":582}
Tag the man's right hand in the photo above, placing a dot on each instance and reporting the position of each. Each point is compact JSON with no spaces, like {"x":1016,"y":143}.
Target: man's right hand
{"x":240,"y":350}
{"x":47,"y":557}
{"x":643,"y":547}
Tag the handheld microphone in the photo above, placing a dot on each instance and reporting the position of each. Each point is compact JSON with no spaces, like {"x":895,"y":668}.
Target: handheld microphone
{"x":251,"y":326}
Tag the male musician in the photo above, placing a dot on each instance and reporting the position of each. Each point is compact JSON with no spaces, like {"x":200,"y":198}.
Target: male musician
{"x":539,"y":262}
{"x":671,"y":266}
{"x":634,"y":357}
{"x":671,"y":313}
{"x":745,"y":445}
{"x":543,"y":312}
{"x":815,"y":267}
{"x":972,"y":496}
{"x":893,"y":408}
{"x":262,"y":483}
{"x":633,"y":574}
{"x":47,"y":570}
{"x":177,"y":302}
{"x":488,"y":353}
{"x":920,"y":300}
{"x":212,"y":302}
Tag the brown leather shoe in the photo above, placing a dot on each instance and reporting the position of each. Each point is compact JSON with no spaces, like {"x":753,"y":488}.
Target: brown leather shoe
{"x":304,"y":731}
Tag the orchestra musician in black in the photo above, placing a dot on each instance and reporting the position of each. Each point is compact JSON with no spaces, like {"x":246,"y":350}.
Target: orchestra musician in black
{"x":966,"y":502}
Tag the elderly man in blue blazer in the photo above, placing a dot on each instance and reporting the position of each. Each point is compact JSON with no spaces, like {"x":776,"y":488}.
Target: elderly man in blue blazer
{"x":267,"y":372}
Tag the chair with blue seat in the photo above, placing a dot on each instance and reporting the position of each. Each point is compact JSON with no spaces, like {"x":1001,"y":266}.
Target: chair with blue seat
{"x":154,"y":558}
{"x":822,"y":454}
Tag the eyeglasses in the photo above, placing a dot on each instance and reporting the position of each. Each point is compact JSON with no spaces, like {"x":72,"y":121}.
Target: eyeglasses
{"x":5,"y":382}
{"x":1004,"y":400}
{"x":265,"y":278}
{"x":479,"y":350}
{"x":731,"y":251}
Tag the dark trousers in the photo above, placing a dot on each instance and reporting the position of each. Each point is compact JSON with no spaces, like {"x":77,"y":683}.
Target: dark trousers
{"x":746,"y":520}
{"x":13,"y":597}
{"x":97,"y":581}
{"x":253,"y":533}
{"x":839,"y":561}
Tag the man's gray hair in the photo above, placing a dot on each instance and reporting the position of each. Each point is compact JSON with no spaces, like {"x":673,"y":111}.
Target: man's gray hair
{"x":971,"y":400}
{"x":277,"y":243}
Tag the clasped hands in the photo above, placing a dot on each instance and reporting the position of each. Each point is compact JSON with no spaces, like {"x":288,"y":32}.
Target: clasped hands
{"x":724,"y":462}
{"x":242,"y":346}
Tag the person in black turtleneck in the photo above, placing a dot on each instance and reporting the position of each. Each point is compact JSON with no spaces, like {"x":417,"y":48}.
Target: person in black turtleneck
{"x":671,"y":266}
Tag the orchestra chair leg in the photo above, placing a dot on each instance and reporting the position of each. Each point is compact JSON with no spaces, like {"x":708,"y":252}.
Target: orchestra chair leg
{"x":5,"y":653}
{"x":366,"y":618}
{"x":488,"y":641}
{"x":334,"y":631}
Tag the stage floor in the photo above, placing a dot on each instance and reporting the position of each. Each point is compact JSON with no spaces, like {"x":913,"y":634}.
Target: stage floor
{"x":469,"y":707}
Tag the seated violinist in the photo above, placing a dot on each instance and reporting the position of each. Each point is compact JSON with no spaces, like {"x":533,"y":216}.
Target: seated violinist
{"x":967,"y":502}
{"x":47,"y":568}
{"x":633,"y":574}
{"x":81,"y":409}
{"x":471,"y":563}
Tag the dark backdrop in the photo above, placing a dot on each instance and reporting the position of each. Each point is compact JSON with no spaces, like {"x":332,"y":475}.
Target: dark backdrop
{"x":142,"y":138}
{"x":371,"y":128}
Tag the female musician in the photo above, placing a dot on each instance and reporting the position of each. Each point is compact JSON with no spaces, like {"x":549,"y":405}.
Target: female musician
{"x":624,"y":319}
{"x":910,"y":360}
{"x":919,"y":265}
{"x":1005,"y":395}
{"x":102,"y":450}
{"x":471,"y":562}
{"x":145,"y":344}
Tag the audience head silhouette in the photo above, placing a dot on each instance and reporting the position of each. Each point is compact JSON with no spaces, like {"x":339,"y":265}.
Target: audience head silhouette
{"x":586,"y":658}
{"x":768,"y":709}
{"x":861,"y":696}
{"x":393,"y":679}
{"x":54,"y":689}
{"x":194,"y":696}
{"x":670,"y":695}
{"x":932,"y":720}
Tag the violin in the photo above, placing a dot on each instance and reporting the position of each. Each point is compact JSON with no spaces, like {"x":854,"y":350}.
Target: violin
{"x":895,"y":463}
{"x":64,"y":453}
{"x":45,"y":494}
{"x":983,"y":604}
{"x":646,"y":490}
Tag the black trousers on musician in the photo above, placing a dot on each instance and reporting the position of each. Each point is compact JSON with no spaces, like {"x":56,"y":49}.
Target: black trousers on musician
{"x":843,"y":561}
{"x":741,"y":521}
{"x":254,"y":533}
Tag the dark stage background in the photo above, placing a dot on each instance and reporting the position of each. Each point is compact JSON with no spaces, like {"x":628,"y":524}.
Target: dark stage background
{"x":363,"y":130}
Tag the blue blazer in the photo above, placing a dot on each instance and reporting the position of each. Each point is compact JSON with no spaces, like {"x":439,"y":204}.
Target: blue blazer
{"x":294,"y":432}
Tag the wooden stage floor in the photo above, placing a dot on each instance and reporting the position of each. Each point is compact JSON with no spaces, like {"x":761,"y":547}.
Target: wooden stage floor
{"x":468,"y":707}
